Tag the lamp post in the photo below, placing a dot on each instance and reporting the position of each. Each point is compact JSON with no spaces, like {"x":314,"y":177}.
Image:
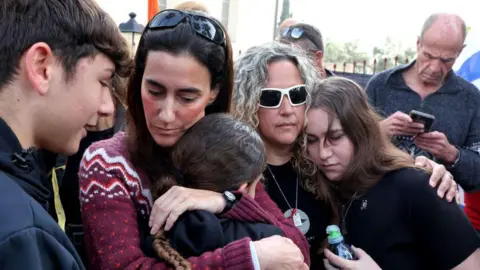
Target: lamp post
{"x":275,"y":21}
{"x":133,"y":28}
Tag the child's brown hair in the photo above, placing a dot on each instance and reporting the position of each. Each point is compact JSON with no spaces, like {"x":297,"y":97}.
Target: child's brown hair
{"x":218,"y":153}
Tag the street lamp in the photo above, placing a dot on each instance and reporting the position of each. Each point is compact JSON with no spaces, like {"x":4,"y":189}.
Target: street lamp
{"x":275,"y":21}
{"x":133,"y":28}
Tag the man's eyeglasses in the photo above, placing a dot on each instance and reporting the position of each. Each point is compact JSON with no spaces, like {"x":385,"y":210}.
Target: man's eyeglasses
{"x":272,"y":97}
{"x":202,"y":25}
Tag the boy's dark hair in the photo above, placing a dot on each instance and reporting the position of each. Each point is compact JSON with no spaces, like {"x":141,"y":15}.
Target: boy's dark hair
{"x":310,"y":35}
{"x":218,"y":153}
{"x":73,"y":29}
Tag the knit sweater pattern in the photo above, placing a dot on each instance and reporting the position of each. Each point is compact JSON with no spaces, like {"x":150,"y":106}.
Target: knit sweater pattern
{"x":116,"y":201}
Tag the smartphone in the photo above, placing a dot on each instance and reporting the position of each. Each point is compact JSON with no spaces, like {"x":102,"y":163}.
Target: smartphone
{"x":424,"y":118}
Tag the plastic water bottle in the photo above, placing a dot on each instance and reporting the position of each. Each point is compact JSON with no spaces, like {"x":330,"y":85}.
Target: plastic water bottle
{"x":337,"y":245}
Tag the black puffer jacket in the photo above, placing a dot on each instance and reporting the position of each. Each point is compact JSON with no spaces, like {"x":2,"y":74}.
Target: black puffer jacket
{"x":29,"y":237}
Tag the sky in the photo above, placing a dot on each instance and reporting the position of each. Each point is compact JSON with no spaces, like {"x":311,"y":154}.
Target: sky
{"x":368,"y":21}
{"x":371,"y":21}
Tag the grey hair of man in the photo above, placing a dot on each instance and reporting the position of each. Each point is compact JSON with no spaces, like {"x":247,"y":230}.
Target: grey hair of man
{"x":251,"y":75}
{"x":452,"y":19}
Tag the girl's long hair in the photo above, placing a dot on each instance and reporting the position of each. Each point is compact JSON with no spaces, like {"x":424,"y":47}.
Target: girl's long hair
{"x":374,"y":154}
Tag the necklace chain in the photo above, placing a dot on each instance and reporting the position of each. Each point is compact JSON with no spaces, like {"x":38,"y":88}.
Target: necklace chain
{"x":344,"y":214}
{"x":281,"y":192}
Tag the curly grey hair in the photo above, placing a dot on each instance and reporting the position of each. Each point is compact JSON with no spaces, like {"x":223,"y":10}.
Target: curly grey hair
{"x":251,"y":74}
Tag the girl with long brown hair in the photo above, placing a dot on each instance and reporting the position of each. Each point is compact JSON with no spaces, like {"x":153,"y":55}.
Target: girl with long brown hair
{"x":385,"y":205}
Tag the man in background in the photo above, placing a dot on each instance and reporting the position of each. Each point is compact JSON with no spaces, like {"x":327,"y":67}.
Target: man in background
{"x":192,"y":6}
{"x":286,"y":23}
{"x":429,"y":85}
{"x":309,"y":39}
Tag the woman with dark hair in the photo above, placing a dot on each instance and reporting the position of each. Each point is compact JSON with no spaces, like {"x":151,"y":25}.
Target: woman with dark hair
{"x":183,"y":71}
{"x":384,"y":204}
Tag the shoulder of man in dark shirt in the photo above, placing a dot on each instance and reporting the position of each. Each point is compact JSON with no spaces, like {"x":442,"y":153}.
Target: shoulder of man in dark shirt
{"x":378,"y":83}
{"x":381,"y":79}
{"x":469,"y":87}
{"x":329,"y":73}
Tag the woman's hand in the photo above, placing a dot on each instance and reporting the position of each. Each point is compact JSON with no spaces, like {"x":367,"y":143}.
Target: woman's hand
{"x":177,"y":200}
{"x":364,"y":262}
{"x":448,"y":186}
{"x":280,"y":253}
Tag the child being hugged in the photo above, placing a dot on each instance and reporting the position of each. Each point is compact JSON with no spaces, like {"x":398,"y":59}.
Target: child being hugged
{"x":219,"y":153}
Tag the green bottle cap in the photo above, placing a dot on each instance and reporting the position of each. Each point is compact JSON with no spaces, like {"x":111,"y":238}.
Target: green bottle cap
{"x":334,"y":234}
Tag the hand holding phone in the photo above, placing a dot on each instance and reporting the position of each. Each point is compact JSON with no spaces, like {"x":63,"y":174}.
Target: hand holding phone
{"x":424,"y":118}
{"x":400,"y":124}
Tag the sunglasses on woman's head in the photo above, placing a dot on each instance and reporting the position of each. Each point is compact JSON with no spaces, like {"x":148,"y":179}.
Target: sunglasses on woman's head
{"x":202,"y":25}
{"x":272,"y":97}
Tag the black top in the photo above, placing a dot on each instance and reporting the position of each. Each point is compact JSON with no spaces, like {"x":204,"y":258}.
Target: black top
{"x":29,"y":237}
{"x":198,"y":231}
{"x":314,"y":214}
{"x":402,"y":224}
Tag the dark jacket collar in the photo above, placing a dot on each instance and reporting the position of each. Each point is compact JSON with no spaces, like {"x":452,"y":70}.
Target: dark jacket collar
{"x":451,"y":84}
{"x":329,"y":73}
{"x":21,"y":165}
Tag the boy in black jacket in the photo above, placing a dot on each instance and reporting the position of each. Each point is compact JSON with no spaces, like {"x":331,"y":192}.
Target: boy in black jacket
{"x":56,"y":65}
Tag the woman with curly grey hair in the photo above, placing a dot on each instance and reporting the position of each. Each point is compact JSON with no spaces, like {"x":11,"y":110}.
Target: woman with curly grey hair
{"x":273,"y":83}
{"x":272,"y":88}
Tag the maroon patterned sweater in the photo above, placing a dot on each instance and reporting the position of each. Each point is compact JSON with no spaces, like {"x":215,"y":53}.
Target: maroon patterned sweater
{"x":113,"y":191}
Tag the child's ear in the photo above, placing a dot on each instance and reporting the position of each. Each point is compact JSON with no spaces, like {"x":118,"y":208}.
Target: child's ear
{"x":243,"y":187}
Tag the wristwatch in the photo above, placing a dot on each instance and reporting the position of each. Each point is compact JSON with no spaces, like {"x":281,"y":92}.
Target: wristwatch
{"x":451,"y":166}
{"x":230,"y":200}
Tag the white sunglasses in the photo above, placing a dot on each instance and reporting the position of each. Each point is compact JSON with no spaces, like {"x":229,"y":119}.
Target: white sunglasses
{"x":272,"y":98}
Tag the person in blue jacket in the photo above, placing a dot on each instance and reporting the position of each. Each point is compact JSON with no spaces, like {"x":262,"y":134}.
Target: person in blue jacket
{"x":56,"y":66}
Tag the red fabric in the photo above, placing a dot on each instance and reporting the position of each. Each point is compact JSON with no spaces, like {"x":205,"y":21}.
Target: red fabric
{"x":112,"y":192}
{"x":153,"y":8}
{"x":472,"y":208}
